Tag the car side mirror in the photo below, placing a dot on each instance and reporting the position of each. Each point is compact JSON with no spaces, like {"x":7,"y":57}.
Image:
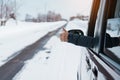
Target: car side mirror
{"x":76,"y":31}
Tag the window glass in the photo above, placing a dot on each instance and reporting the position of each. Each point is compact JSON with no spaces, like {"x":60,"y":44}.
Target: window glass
{"x":113,"y":31}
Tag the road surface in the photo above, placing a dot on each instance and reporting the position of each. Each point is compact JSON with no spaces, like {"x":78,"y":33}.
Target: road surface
{"x":13,"y":66}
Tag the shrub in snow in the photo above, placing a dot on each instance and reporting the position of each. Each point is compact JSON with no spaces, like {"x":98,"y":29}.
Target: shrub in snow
{"x":11,"y":22}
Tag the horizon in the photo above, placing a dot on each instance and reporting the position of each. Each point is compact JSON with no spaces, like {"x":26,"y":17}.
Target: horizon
{"x":72,"y":8}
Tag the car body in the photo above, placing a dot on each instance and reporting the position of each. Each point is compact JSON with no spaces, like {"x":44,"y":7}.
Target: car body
{"x":100,"y":63}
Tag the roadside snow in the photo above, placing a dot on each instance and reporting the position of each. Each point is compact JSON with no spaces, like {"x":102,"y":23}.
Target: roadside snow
{"x":59,"y":61}
{"x":59,"y":64}
{"x":14,"y":37}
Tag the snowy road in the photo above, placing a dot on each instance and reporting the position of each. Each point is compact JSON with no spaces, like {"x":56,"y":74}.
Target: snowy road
{"x":55,"y":60}
{"x":8,"y":70}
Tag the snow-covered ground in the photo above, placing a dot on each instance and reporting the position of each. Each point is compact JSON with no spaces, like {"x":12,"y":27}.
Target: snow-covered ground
{"x":58,"y":62}
{"x":14,"y":37}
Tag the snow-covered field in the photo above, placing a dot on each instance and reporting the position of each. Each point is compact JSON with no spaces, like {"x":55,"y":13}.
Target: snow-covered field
{"x":58,"y":62}
{"x":14,"y":37}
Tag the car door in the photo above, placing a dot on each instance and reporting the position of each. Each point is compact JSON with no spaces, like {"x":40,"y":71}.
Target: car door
{"x":85,"y":67}
{"x":96,"y":63}
{"x":105,"y":62}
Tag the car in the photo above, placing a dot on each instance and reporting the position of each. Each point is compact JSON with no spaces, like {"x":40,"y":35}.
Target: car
{"x":99,"y":62}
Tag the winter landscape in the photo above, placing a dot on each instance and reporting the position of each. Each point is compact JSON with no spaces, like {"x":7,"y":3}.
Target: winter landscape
{"x":50,"y":62}
{"x":30,"y":45}
{"x":23,"y":24}
{"x":56,"y":61}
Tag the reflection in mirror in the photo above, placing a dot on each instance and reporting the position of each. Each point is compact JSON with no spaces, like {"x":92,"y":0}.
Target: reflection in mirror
{"x":76,"y":31}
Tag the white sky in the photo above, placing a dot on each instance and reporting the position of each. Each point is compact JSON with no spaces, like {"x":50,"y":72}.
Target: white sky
{"x":66,"y":8}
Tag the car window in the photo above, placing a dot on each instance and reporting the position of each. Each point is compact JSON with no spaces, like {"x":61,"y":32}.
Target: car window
{"x":113,"y":30}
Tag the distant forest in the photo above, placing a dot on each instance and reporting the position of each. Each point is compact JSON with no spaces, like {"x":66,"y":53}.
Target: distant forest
{"x":49,"y":17}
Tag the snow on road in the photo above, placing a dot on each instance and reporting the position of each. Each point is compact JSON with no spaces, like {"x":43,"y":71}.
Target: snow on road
{"x":59,"y":60}
{"x":14,"y":37}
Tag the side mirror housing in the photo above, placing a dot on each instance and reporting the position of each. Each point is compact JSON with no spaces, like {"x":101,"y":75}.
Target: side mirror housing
{"x":76,"y":31}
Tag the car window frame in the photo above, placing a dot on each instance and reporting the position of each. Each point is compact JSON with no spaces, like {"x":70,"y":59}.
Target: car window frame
{"x":103,"y":52}
{"x":93,"y":18}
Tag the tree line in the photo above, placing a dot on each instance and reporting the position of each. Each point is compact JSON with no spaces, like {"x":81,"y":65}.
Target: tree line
{"x":49,"y":17}
{"x":81,"y":17}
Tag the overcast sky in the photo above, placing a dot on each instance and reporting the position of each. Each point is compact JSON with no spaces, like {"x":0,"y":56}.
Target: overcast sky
{"x":66,"y":8}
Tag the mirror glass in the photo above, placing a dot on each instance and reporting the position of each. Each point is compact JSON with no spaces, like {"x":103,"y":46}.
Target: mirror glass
{"x":76,"y":31}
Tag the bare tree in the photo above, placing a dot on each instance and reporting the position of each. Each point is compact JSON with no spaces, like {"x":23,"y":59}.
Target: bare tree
{"x":1,"y":8}
{"x":8,"y":9}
